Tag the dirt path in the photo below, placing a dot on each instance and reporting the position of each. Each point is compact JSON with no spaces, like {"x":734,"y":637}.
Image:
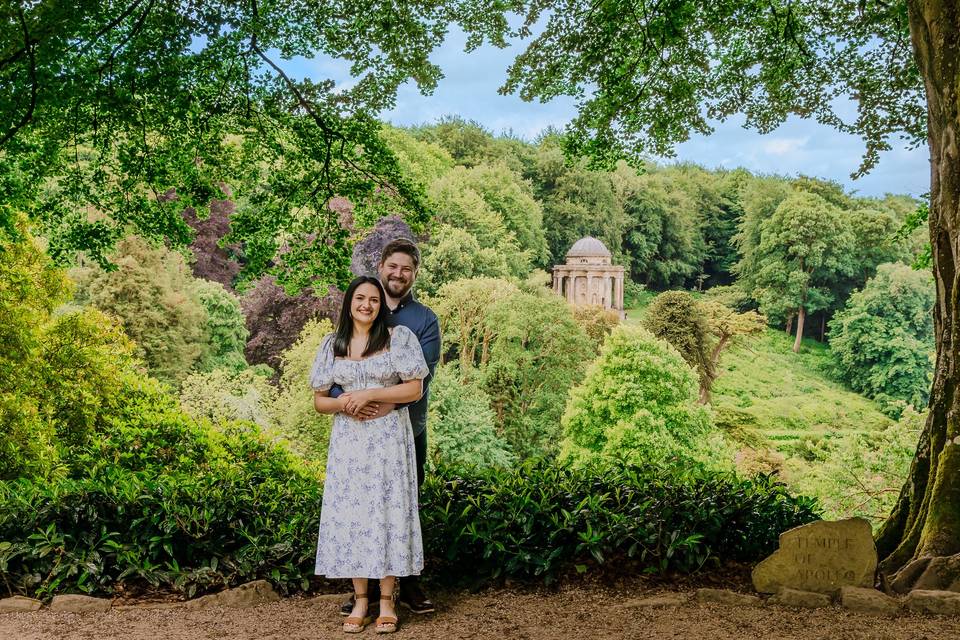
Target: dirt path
{"x":576,"y":612}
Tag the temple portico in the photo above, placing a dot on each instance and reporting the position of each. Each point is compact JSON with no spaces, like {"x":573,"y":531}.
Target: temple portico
{"x":589,"y":277}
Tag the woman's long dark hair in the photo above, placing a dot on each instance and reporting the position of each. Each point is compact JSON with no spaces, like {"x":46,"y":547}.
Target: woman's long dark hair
{"x":379,"y":331}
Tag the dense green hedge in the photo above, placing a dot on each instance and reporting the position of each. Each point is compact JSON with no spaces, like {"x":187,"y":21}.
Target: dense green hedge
{"x":235,"y":522}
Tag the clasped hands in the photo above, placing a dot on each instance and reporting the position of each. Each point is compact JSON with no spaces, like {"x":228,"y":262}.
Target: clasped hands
{"x":362,"y":406}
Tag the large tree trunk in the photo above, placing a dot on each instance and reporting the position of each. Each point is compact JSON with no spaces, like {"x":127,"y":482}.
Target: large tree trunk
{"x":923,"y":531}
{"x":801,"y":316}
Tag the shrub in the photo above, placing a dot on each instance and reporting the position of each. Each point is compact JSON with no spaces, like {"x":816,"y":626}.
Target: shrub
{"x":461,"y":424}
{"x":638,"y":401}
{"x":223,"y":395}
{"x":56,"y":371}
{"x":540,"y":519}
{"x":252,"y":513}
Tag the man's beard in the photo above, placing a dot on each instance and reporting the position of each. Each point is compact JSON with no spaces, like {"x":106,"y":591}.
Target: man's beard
{"x":396,"y":288}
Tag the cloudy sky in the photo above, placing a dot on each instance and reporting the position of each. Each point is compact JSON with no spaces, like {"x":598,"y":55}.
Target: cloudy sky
{"x":469,"y":89}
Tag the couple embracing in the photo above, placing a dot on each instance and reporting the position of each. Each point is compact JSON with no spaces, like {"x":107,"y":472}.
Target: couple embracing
{"x":373,"y":373}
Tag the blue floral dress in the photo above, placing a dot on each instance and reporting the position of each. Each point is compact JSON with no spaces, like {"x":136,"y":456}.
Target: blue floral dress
{"x":369,"y":520}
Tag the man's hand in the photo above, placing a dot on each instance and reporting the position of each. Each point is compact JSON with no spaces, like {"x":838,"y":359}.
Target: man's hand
{"x":375,"y":410}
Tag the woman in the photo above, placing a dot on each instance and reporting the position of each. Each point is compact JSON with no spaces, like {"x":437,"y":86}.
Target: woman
{"x":369,"y":521}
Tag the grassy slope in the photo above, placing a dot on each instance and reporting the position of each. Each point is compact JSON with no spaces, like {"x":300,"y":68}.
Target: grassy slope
{"x":778,"y":404}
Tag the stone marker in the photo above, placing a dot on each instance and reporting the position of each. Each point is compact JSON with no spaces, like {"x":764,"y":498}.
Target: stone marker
{"x":250,"y":594}
{"x":19,"y":603}
{"x":726,"y":596}
{"x":928,"y":601}
{"x":79,"y":604}
{"x":868,"y":601}
{"x":796,"y":598}
{"x":822,"y":556}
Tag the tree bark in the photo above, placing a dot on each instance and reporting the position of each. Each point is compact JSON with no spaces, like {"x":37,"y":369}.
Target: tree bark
{"x":789,"y":328}
{"x":925,"y":523}
{"x":801,"y":316}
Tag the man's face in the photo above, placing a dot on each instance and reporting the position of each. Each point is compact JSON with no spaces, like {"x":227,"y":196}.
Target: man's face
{"x":397,"y":274}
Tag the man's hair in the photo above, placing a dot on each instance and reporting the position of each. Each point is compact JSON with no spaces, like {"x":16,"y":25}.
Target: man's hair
{"x":401,"y":245}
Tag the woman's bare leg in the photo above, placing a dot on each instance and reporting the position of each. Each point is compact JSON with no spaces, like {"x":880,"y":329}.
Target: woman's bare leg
{"x":386,"y":596}
{"x":362,"y":604}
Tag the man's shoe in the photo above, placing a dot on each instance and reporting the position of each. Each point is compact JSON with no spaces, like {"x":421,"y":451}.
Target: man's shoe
{"x":347,"y":607}
{"x":412,"y":596}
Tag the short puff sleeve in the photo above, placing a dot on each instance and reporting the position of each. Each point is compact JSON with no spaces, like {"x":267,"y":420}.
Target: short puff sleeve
{"x":321,"y":373}
{"x":406,"y":355}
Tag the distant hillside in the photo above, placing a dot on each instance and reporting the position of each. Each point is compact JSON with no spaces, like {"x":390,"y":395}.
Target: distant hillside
{"x":821,"y":438}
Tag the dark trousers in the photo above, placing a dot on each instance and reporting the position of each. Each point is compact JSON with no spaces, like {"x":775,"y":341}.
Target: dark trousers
{"x":420,"y":446}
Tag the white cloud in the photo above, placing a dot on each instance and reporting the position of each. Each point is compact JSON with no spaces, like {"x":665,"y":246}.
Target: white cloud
{"x":783,"y":146}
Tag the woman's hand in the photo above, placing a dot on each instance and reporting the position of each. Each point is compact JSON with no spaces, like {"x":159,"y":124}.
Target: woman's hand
{"x":356,"y":401}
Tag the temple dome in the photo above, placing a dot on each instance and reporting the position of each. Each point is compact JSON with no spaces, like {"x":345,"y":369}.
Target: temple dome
{"x":588,"y":247}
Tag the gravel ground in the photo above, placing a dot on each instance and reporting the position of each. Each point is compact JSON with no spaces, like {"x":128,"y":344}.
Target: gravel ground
{"x":575,"y":611}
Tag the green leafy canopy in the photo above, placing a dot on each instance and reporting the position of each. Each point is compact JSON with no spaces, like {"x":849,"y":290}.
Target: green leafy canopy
{"x":118,"y":114}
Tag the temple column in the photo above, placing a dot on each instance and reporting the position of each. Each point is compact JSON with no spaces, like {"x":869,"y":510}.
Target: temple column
{"x":571,"y":285}
{"x":619,"y":292}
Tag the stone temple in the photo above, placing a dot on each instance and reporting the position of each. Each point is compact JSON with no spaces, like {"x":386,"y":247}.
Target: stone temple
{"x":589,"y":277}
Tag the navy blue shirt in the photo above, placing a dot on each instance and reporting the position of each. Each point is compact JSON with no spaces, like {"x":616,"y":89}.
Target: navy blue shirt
{"x":423,"y":322}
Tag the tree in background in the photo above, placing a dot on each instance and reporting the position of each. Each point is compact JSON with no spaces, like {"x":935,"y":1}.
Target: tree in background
{"x":462,"y":307}
{"x":676,"y":317}
{"x":462,"y":424}
{"x":883,"y":340}
{"x":275,"y":319}
{"x":210,"y":260}
{"x":804,"y":247}
{"x":152,"y":293}
{"x":537,"y":352}
{"x":727,"y":327}
{"x":638,"y":403}
{"x":595,"y":321}
{"x":455,"y":254}
{"x":577,"y":202}
{"x":225,"y":331}
{"x":663,"y":241}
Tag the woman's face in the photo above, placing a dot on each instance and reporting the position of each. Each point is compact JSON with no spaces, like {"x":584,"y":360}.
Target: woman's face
{"x":365,"y":304}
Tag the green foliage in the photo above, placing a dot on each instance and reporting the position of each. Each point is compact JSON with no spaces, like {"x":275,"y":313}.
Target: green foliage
{"x":883,"y":341}
{"x":805,"y":246}
{"x":253,"y":513}
{"x":422,"y":162}
{"x":537,"y":352}
{"x":858,"y":472}
{"x":643,"y":89}
{"x":305,"y":431}
{"x":572,"y":196}
{"x":226,"y":332}
{"x":455,"y":254}
{"x":596,"y":322}
{"x":233,"y":519}
{"x":663,"y":239}
{"x":58,"y":373}
{"x":152,"y":293}
{"x":675,"y":316}
{"x":225,"y":395}
{"x":639,"y":402}
{"x":539,"y":520}
{"x":461,"y":307}
{"x":462,"y":424}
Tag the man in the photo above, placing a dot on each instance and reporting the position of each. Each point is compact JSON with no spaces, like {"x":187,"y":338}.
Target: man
{"x":399,"y":263}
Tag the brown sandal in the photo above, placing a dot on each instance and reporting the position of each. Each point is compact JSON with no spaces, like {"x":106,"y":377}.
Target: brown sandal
{"x":354,"y":624}
{"x":386,"y":624}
